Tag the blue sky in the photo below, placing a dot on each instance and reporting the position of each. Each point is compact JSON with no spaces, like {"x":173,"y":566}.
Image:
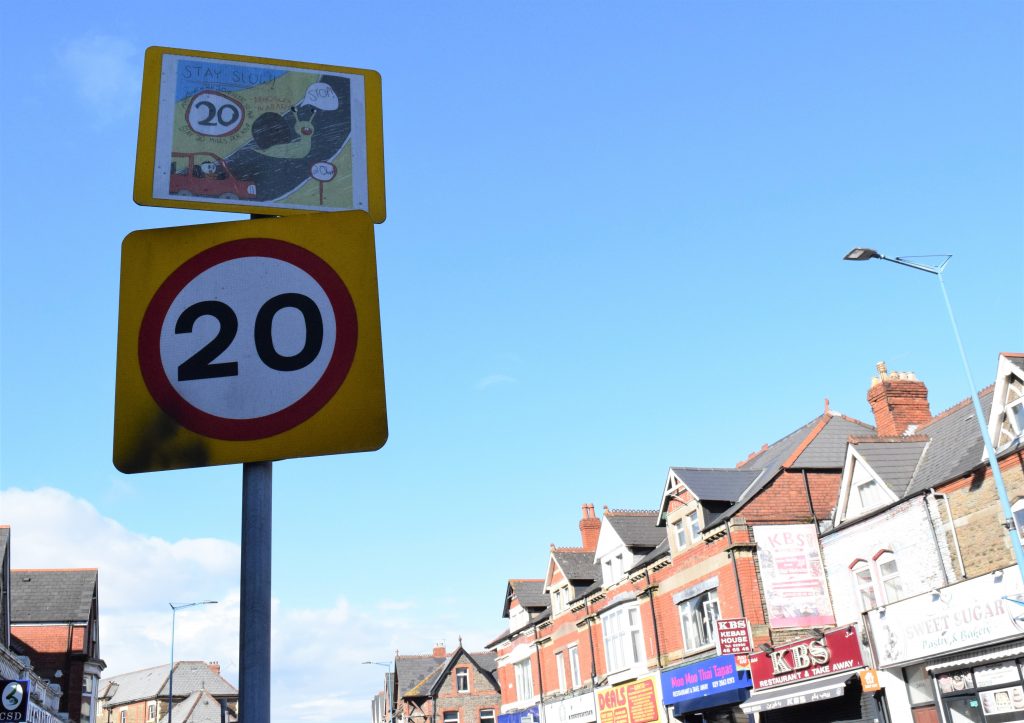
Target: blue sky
{"x":613,"y":245}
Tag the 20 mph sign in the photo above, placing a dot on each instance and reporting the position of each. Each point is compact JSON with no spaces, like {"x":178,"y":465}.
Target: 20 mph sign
{"x":249,"y":341}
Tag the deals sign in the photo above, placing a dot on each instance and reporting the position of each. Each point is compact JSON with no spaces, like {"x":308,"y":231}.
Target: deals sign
{"x":249,"y":341}
{"x":253,"y":135}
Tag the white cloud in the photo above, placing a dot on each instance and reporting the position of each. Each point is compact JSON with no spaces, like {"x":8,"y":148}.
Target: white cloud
{"x":317,"y":653}
{"x":105,"y":73}
{"x":495,"y":379}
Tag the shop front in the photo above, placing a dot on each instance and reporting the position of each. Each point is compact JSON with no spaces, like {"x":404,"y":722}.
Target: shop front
{"x":526,"y":715}
{"x":959,"y":649}
{"x":710,"y":691}
{"x":637,"y":701}
{"x":575,"y":709}
{"x":818,"y":679}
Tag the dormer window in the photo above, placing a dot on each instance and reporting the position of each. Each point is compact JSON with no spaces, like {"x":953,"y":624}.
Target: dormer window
{"x":693,"y":522}
{"x":870,"y":494}
{"x":613,"y":569}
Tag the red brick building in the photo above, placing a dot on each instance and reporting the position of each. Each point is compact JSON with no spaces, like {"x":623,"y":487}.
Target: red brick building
{"x":444,"y":688}
{"x":55,"y":622}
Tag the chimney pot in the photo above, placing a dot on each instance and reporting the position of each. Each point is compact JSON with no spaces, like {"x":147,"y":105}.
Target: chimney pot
{"x":590,"y":528}
{"x":214,"y":666}
{"x":439,"y":651}
{"x":899,"y":401}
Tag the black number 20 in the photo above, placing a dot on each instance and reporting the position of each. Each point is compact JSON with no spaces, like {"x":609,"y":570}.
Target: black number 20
{"x":201,"y":365}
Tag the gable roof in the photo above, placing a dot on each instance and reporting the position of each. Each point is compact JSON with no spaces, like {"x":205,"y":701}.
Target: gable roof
{"x":894,"y":459}
{"x":485,"y":663}
{"x":150,"y":683}
{"x":814,"y":446}
{"x":420,"y":676}
{"x":637,"y":529}
{"x":576,"y":564}
{"x":52,"y":596}
{"x":956,"y":446}
{"x":724,"y":484}
{"x":198,"y":707}
{"x":529,"y":593}
{"x":412,"y":670}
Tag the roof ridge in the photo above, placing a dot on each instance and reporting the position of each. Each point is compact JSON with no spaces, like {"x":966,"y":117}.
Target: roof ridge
{"x":823,"y":420}
{"x":958,"y":406}
{"x":55,"y":569}
{"x":526,"y":579}
{"x":765,"y":447}
{"x":629,"y":513}
{"x":857,"y":439}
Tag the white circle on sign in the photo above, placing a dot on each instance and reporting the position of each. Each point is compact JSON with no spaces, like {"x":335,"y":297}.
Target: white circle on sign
{"x":247,"y":287}
{"x":323,"y":171}
{"x":210,"y":113}
{"x":13,"y":694}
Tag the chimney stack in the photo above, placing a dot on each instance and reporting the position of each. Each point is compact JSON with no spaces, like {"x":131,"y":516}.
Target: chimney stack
{"x":899,"y":400}
{"x":439,"y":651}
{"x":215,"y":667}
{"x":590,"y":528}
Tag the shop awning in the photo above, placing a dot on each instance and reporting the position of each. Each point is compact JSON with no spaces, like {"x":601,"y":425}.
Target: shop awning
{"x":986,"y":655}
{"x":726,"y":697}
{"x":809,"y":691}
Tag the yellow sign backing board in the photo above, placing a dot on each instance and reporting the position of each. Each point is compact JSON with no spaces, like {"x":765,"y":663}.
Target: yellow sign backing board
{"x":252,"y":135}
{"x":248,"y":341}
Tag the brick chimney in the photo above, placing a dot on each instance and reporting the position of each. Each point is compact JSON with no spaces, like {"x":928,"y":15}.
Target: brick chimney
{"x":215,"y":667}
{"x":590,"y":528}
{"x":439,"y":651}
{"x":899,"y":400}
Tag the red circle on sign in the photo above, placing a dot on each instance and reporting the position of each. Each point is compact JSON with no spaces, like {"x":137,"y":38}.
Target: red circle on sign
{"x":237,"y":430}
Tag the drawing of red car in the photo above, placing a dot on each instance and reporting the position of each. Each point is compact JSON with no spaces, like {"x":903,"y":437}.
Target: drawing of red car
{"x":206,"y":174}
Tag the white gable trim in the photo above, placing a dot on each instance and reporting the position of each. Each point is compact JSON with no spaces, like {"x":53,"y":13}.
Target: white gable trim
{"x":1006,"y":372}
{"x":857,"y":467}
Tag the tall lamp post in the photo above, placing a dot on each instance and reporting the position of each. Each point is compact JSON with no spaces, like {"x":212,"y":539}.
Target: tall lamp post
{"x":175,"y":607}
{"x":387,"y":686}
{"x":859,"y":254}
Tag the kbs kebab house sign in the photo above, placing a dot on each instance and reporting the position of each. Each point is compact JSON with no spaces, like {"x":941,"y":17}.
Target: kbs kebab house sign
{"x":252,"y":135}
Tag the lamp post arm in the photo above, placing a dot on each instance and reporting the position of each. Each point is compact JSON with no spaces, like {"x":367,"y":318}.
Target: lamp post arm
{"x":936,"y":270}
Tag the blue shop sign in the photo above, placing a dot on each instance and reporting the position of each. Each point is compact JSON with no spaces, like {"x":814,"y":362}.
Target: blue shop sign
{"x":707,"y":684}
{"x":528,"y":715}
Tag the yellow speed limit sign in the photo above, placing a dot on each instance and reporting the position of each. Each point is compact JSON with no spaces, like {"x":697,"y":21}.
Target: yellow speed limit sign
{"x":249,"y":341}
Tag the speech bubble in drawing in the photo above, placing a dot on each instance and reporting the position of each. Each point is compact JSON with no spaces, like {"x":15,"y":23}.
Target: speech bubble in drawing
{"x":321,"y":96}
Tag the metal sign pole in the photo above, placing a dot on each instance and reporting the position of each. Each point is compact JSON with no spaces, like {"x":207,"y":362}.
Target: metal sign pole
{"x":254,"y":616}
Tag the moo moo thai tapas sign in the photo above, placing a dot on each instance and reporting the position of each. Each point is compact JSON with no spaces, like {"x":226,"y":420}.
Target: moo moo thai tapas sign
{"x":838,"y":651}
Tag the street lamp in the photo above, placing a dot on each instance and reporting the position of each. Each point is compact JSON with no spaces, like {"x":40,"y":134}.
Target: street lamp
{"x":860,"y":254}
{"x":175,"y":607}
{"x":387,"y":685}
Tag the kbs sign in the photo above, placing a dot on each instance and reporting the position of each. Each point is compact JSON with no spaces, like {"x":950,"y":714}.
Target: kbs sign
{"x":635,"y":702}
{"x":839,"y":650}
{"x":733,"y":636}
{"x":246,"y":342}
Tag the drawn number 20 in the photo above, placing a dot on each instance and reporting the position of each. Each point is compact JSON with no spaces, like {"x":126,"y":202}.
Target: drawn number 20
{"x":202,"y":364}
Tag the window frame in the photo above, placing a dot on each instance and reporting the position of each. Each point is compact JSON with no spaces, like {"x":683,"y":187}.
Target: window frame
{"x":698,"y":614}
{"x":622,"y":633}
{"x":523,"y":671}
{"x":883,"y":557}
{"x":489,"y":718}
{"x":693,"y":521}
{"x":574,"y":665}
{"x":560,"y":670}
{"x":462,"y":675}
{"x":446,"y":719}
{"x":857,"y":567}
{"x":679,"y":530}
